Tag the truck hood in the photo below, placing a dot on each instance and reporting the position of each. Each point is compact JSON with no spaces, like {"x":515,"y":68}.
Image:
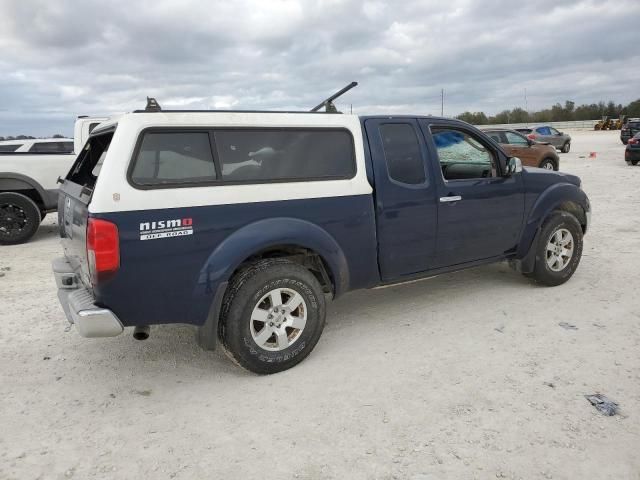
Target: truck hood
{"x":549,"y":177}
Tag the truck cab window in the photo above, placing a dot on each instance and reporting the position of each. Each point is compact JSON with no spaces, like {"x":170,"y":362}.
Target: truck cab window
{"x":402,"y":153}
{"x":462,"y":156}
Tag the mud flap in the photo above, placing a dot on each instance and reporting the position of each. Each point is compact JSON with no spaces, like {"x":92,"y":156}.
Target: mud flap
{"x":207,"y":334}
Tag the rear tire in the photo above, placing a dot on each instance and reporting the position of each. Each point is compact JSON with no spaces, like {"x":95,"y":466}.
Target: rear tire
{"x":566,"y":147}
{"x":548,"y":164}
{"x":272,"y":316}
{"x":558,"y":250}
{"x":19,"y":218}
{"x":634,"y":162}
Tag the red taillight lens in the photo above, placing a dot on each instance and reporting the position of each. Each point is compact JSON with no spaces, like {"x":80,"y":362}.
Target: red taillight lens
{"x":633,"y":141}
{"x":103,"y":249}
{"x":532,"y":136}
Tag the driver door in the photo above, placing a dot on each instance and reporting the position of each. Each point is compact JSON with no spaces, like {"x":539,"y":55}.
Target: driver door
{"x":480,"y":211}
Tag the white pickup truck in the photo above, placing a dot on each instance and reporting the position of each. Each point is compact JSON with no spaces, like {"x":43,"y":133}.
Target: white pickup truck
{"x":29,"y":171}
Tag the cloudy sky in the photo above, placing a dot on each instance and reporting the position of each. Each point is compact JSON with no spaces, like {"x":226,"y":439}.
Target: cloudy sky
{"x":65,"y":58}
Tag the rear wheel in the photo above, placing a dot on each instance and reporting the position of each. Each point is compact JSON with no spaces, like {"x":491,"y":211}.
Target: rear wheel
{"x":633,"y":162}
{"x":558,"y":250}
{"x":566,"y":147}
{"x":272,"y":316}
{"x":19,"y":218}
{"x":548,"y":164}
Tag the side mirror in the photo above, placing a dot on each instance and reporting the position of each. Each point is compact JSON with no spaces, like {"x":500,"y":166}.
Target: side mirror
{"x":514,"y":166}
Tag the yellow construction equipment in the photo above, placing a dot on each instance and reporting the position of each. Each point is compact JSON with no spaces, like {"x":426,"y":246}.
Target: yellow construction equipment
{"x":603,"y":124}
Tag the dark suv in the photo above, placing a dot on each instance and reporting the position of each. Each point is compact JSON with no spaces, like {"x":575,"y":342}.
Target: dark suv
{"x":629,"y":129}
{"x":632,"y":152}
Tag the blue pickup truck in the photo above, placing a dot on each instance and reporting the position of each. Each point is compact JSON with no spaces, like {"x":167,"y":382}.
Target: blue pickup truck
{"x":245,"y":223}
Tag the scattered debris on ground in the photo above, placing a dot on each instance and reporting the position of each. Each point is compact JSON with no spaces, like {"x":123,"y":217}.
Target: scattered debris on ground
{"x":604,"y":405}
{"x":568,"y":326}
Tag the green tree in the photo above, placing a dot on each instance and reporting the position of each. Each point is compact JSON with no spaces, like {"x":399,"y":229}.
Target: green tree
{"x":633,"y":109}
{"x":519,"y":115}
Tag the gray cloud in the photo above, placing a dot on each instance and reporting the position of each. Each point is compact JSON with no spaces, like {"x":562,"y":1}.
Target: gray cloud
{"x":67,"y":58}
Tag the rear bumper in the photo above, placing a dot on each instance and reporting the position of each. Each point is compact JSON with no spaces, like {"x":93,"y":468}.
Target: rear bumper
{"x":79,"y":305}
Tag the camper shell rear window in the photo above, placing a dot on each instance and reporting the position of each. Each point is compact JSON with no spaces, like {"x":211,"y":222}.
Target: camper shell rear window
{"x":86,"y":168}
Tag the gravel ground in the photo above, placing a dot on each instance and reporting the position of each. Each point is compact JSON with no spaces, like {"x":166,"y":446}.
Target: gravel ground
{"x":467,"y":375}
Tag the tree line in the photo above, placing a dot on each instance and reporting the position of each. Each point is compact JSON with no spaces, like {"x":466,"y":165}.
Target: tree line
{"x":557,"y":113}
{"x":28,"y":137}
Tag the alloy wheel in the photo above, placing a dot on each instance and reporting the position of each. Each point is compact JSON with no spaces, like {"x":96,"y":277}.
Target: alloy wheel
{"x":278,"y":319}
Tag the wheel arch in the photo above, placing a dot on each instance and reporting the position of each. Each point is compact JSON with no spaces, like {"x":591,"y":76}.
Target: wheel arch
{"x":301,"y":241}
{"x":18,"y":183}
{"x":562,"y":196}
{"x":278,"y":237}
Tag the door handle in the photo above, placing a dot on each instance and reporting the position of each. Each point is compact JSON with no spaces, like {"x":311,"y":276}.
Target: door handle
{"x":455,"y":198}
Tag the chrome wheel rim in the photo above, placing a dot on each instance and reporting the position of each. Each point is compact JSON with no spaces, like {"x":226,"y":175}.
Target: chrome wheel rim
{"x":13,"y":219}
{"x":559,"y":250}
{"x":548,"y":166}
{"x":278,"y":319}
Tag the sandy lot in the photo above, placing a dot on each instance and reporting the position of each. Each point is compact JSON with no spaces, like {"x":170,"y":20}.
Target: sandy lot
{"x":444,"y":378}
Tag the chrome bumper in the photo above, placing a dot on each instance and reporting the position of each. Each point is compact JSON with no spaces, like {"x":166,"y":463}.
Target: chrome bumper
{"x":79,"y":305}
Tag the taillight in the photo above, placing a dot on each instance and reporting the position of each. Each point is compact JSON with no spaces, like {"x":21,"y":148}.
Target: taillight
{"x":103,"y":249}
{"x":633,"y":141}
{"x":532,"y":136}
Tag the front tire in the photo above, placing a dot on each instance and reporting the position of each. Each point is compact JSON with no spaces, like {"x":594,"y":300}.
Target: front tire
{"x":19,"y":218}
{"x":558,"y":250}
{"x":566,"y":147}
{"x":548,"y":164}
{"x":272,"y":316}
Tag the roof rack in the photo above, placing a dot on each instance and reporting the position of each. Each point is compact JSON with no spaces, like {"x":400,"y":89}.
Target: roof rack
{"x":328,"y":103}
{"x":154,"y":106}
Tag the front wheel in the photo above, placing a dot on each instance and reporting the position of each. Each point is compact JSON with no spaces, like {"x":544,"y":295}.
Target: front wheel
{"x":272,"y":316}
{"x":566,"y":147}
{"x":548,"y":164}
{"x":19,"y":218}
{"x":558,"y":250}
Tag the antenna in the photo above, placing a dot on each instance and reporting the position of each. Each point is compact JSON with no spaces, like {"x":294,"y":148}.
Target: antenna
{"x":328,"y":103}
